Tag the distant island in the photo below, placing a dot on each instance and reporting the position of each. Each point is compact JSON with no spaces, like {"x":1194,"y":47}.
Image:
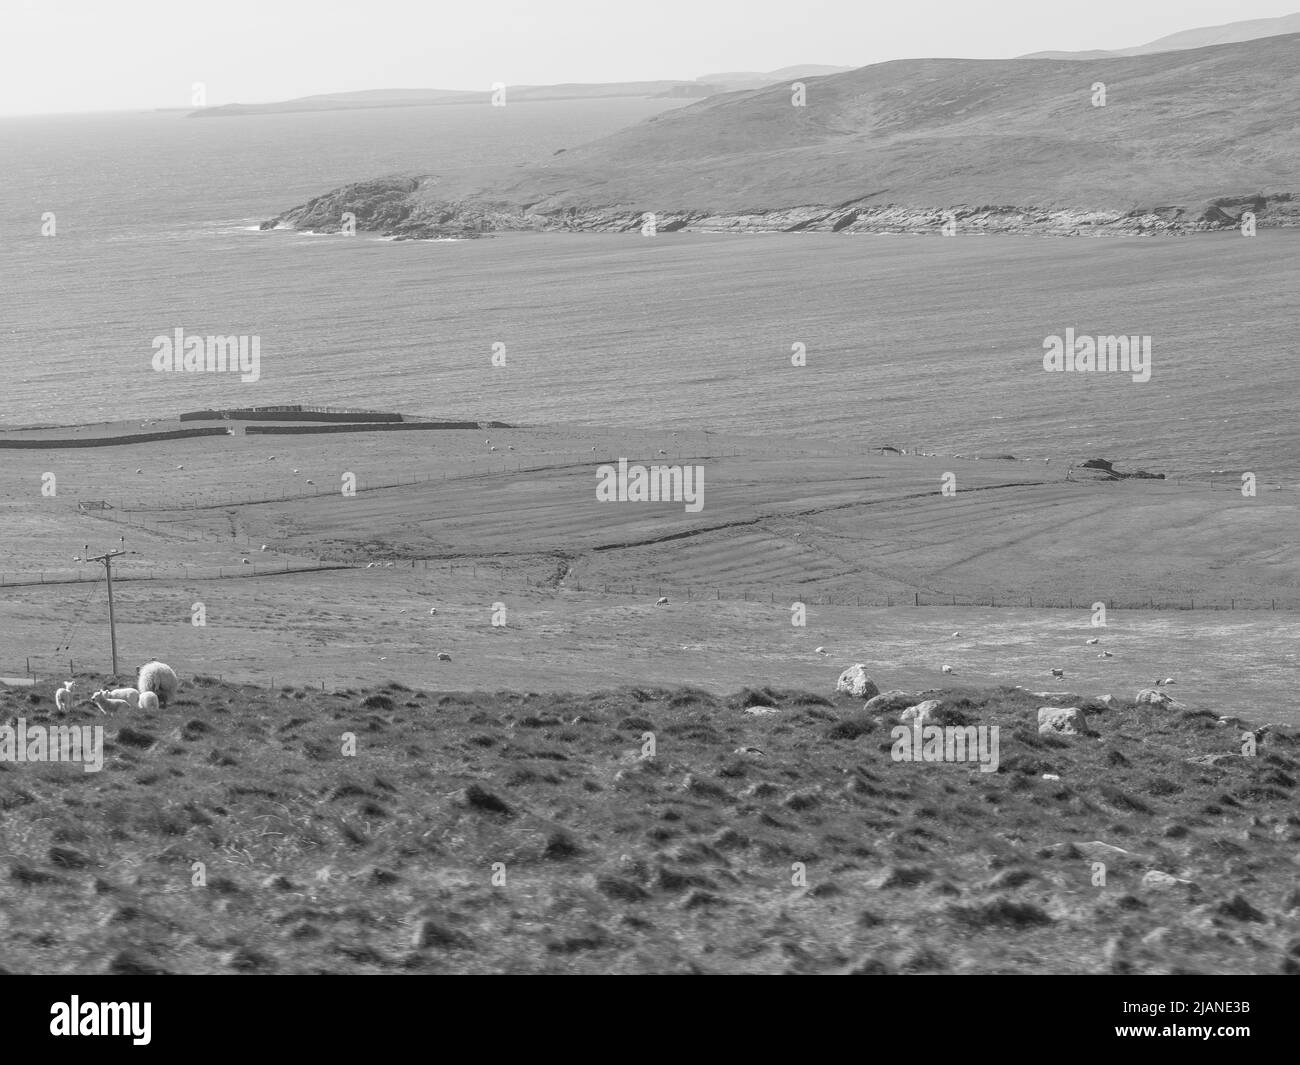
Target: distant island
{"x":1172,"y":142}
{"x":708,"y":85}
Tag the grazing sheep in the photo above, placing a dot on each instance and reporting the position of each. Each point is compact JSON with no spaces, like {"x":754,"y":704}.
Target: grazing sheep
{"x":662,"y":451}
{"x":956,"y":635}
{"x":1058,"y":673}
{"x":63,"y":697}
{"x":491,"y":449}
{"x":1093,"y":640}
{"x":148,"y":701}
{"x":510,"y":447}
{"x":158,"y":678}
{"x":311,"y":482}
{"x":180,"y":467}
{"x":139,"y":471}
{"x":245,"y":562}
{"x":947,"y":669}
{"x":107,"y":705}
{"x":443,"y":656}
{"x":822,"y":651}
{"x":662,"y":601}
{"x":264,"y":547}
{"x":1105,"y":654}
{"x":432,"y":610}
{"x":130,"y":695}
{"x":295,"y":471}
{"x":1167,"y":680}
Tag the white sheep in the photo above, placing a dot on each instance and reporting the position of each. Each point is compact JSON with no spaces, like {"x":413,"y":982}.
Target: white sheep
{"x":107,"y":705}
{"x":432,"y":610}
{"x":63,"y":697}
{"x":245,"y":562}
{"x":1105,"y":654}
{"x":821,"y":651}
{"x":1092,"y":641}
{"x":443,"y":656}
{"x":158,"y":678}
{"x":148,"y":701}
{"x":662,"y":601}
{"x":131,"y":695}
{"x":264,"y":547}
{"x":947,"y":669}
{"x":311,"y":482}
{"x":956,"y":635}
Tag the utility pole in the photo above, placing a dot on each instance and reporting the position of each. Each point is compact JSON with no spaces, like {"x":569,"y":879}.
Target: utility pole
{"x":107,"y":560}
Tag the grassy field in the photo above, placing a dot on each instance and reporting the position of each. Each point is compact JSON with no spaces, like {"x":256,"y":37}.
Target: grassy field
{"x":498,"y":813}
{"x":523,"y":833}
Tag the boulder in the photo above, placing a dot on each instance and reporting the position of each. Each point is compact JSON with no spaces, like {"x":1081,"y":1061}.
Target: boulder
{"x":759,"y":711}
{"x":1154,"y":697}
{"x":1062,"y":721}
{"x":1155,"y":880}
{"x":891,"y":701}
{"x":921,"y":713}
{"x":857,"y":682}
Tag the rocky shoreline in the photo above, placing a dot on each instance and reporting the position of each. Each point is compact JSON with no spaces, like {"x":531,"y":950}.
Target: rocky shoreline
{"x":405,"y":209}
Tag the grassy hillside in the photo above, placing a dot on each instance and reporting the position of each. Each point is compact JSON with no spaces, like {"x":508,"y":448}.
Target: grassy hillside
{"x":782,"y":841}
{"x":1179,"y":131}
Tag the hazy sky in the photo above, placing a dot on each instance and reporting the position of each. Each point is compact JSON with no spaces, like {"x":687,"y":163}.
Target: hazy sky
{"x":90,"y":55}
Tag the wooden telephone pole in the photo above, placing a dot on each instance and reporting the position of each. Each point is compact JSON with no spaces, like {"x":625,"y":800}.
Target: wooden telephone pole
{"x":107,"y":560}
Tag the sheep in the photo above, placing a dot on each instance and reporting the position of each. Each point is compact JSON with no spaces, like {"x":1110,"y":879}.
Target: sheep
{"x":1092,"y":641}
{"x":1058,"y":673}
{"x":131,"y":695}
{"x":443,"y":656}
{"x":956,"y":635}
{"x":822,"y":651}
{"x":105,"y":704}
{"x":63,"y":697}
{"x":311,"y":482}
{"x":158,"y":678}
{"x":264,"y":547}
{"x":1167,"y":680}
{"x":180,"y":467}
{"x":295,"y":471}
{"x":245,"y":562}
{"x":510,"y":447}
{"x":1105,"y":654}
{"x":491,"y":449}
{"x":947,"y":669}
{"x":148,"y":701}
{"x":662,"y":601}
{"x":139,"y":470}
{"x":432,"y":610}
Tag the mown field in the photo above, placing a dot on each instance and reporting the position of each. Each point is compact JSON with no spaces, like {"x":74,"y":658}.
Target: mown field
{"x":523,"y":832}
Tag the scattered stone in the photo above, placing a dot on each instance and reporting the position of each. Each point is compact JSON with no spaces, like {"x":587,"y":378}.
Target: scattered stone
{"x":759,"y":711}
{"x":890,"y":702}
{"x":1067,"y":721}
{"x":1154,"y":697}
{"x":1155,"y":880}
{"x":922,"y":712}
{"x":857,"y":682}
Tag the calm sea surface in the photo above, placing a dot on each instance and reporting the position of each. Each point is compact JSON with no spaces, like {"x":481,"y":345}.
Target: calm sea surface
{"x":913,"y":341}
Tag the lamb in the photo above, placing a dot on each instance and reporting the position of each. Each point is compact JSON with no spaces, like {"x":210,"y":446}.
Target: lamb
{"x":131,"y":695}
{"x":148,"y":701}
{"x":107,"y":705}
{"x":63,"y":697}
{"x":158,"y":678}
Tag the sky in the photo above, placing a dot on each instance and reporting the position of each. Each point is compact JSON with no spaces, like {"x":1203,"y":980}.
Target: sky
{"x":107,"y":55}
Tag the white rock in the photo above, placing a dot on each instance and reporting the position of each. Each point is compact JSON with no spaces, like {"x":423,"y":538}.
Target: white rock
{"x":921,"y":712}
{"x":759,"y":711}
{"x":1050,"y":776}
{"x":857,"y":682}
{"x":1155,"y":880}
{"x":1154,"y":697}
{"x":1062,"y":721}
